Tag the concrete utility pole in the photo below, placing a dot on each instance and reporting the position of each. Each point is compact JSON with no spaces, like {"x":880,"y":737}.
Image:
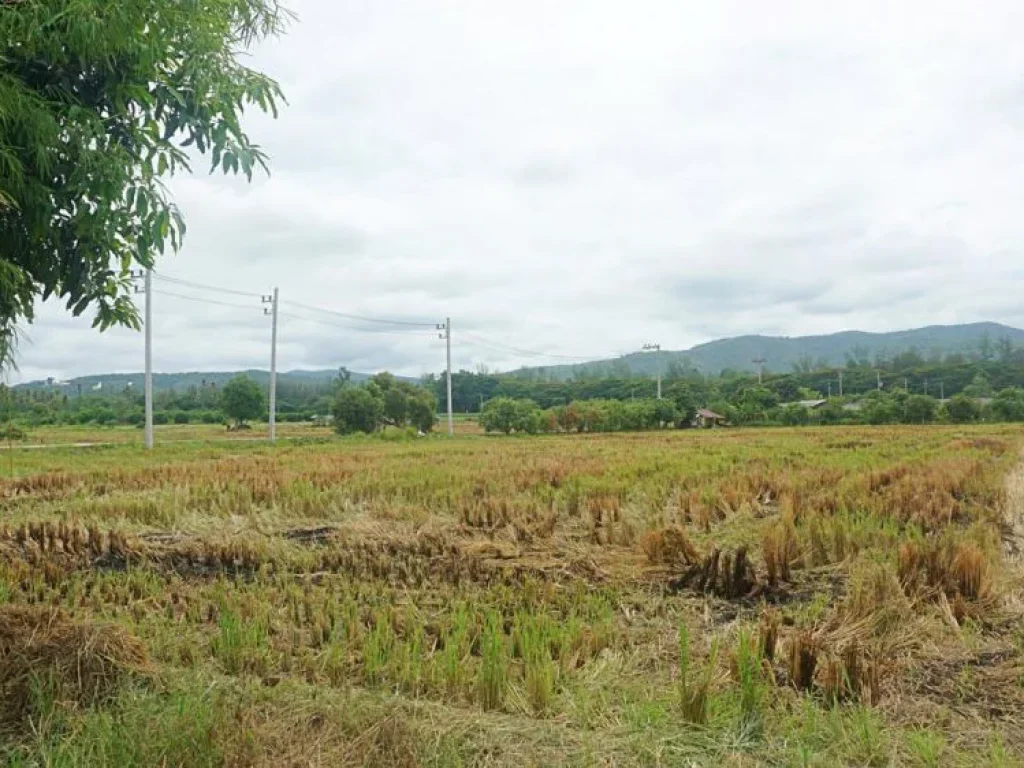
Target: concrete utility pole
{"x":655,"y":348}
{"x":272,"y":422}
{"x":878,"y":374}
{"x":149,"y":360}
{"x":147,"y":327}
{"x":447,"y":336}
{"x":759,"y":362}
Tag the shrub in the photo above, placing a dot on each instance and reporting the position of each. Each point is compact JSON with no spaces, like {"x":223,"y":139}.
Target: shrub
{"x":357,"y":409}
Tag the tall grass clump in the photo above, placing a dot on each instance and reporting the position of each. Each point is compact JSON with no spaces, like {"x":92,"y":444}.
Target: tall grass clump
{"x":494,"y":662}
{"x":748,"y":671}
{"x":693,"y":693}
{"x":241,"y":646}
{"x":534,"y":636}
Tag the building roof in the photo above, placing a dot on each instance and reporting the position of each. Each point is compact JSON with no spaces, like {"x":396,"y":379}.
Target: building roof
{"x":704,"y":413}
{"x":805,"y":404}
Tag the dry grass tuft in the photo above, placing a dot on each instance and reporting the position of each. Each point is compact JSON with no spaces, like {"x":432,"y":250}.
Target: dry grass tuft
{"x":669,"y":546}
{"x":803,"y":660}
{"x":781,"y":552}
{"x":81,"y":663}
{"x":957,"y":569}
{"x":850,"y":676}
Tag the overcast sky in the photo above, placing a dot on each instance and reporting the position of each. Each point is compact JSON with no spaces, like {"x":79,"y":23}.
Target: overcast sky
{"x":583,"y":176}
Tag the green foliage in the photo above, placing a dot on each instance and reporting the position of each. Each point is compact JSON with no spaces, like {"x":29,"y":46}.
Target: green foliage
{"x":99,"y":100}
{"x":503,"y":414}
{"x":962,"y":410}
{"x":384,"y":401}
{"x":357,"y":409}
{"x":1009,"y":405}
{"x":794,"y":415}
{"x":919,"y":409}
{"x":241,"y":399}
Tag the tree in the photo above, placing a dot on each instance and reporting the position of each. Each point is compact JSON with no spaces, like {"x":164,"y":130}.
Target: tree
{"x":682,"y":397}
{"x":979,"y":387}
{"x":503,"y":414}
{"x":962,"y":410}
{"x":241,"y":399}
{"x":919,"y":409}
{"x":98,"y":99}
{"x":358,"y":409}
{"x":794,"y":416}
{"x":1009,"y":405}
{"x":665,"y":412}
{"x":421,"y":410}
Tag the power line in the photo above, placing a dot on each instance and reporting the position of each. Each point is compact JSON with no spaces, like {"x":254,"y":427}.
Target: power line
{"x":202,"y":300}
{"x":362,"y":318}
{"x":204,"y":287}
{"x":500,"y":347}
{"x":328,"y":323}
{"x":247,"y":294}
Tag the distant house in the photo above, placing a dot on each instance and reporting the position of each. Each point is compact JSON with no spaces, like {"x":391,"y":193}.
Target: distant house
{"x":322,"y":421}
{"x":808,"y":404}
{"x":707,"y":418}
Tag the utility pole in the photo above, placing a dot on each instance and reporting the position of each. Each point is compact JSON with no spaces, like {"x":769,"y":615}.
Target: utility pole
{"x":147,"y":278}
{"x":655,"y":348}
{"x":447,"y":336}
{"x":878,"y":374}
{"x":759,"y":362}
{"x":942,"y":390}
{"x":840,"y":382}
{"x":272,"y":423}
{"x":906,"y":388}
{"x":149,"y":359}
{"x":830,"y":389}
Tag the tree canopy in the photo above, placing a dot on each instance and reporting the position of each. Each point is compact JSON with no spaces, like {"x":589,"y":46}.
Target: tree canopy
{"x":383,"y":401}
{"x":242,"y":399}
{"x":98,"y":101}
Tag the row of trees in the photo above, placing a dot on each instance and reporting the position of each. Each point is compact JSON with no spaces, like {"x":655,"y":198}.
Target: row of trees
{"x":509,"y":415}
{"x":976,"y":379}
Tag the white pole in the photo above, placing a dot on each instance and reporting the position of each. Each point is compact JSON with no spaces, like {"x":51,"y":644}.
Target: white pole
{"x":273,"y":369}
{"x":448,"y":344}
{"x":149,"y":360}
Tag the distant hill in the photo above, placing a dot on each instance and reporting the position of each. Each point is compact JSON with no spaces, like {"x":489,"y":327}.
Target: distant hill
{"x":180,"y":382}
{"x":782,"y":353}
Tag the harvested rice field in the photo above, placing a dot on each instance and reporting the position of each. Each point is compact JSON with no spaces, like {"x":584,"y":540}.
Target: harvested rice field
{"x":728,"y":597}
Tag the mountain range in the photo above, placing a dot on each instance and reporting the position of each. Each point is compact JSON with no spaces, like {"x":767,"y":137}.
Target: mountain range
{"x":782,"y":353}
{"x":779,"y":353}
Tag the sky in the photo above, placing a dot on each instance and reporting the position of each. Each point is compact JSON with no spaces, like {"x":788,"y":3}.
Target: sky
{"x":575,"y":179}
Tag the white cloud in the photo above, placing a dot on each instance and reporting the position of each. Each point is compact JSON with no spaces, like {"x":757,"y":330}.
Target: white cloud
{"x":581,"y":177}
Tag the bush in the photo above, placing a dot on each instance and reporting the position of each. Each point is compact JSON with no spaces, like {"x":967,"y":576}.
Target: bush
{"x":210,"y":417}
{"x":504,"y":414}
{"x":919,"y":409}
{"x":357,"y":409}
{"x":12,"y":432}
{"x":962,"y":410}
